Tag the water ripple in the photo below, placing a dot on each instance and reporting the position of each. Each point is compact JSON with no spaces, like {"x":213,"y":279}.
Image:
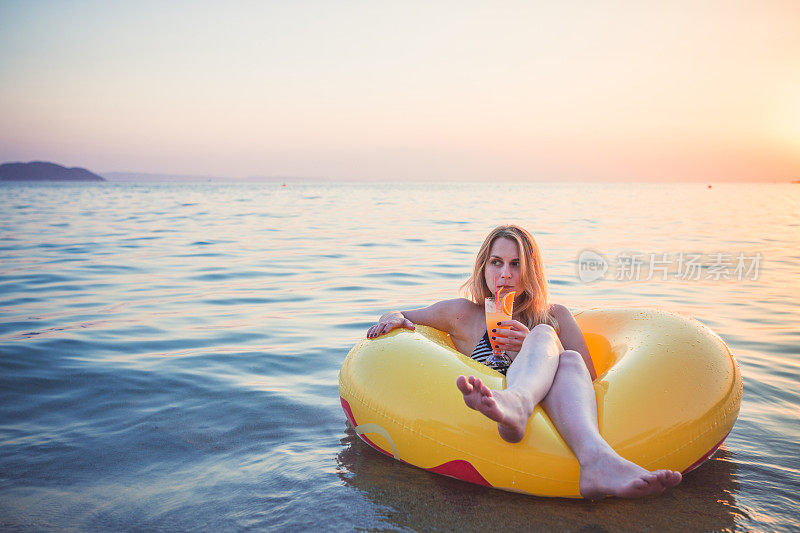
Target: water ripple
{"x":169,"y":353}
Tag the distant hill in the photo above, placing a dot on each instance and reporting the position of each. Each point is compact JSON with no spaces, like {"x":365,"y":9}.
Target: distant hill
{"x":43,"y":171}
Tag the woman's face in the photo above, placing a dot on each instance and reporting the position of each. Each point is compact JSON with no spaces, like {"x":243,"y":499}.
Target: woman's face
{"x":504,"y":265}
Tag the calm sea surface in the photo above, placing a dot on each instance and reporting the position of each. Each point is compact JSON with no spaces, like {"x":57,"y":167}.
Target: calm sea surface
{"x":169,"y":352}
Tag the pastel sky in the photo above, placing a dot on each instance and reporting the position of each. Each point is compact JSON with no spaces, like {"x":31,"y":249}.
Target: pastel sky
{"x":406,"y":90}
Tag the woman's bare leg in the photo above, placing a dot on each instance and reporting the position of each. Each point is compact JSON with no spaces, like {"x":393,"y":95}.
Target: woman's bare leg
{"x":572,"y":406}
{"x":528,"y":381}
{"x":544,"y":372}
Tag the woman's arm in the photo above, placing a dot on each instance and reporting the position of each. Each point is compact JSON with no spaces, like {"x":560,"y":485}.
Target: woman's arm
{"x":446,"y":316}
{"x":571,"y":337}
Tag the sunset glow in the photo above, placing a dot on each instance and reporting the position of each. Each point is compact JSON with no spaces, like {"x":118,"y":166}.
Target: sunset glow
{"x":405,"y":91}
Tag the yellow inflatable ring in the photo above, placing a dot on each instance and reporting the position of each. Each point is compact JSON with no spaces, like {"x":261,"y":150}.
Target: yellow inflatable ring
{"x":668,"y":393}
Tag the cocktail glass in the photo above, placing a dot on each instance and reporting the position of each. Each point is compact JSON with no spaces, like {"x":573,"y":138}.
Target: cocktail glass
{"x":496,"y":312}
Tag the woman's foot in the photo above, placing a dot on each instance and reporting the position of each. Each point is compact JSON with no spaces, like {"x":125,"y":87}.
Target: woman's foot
{"x":607,"y":474}
{"x":505,"y":407}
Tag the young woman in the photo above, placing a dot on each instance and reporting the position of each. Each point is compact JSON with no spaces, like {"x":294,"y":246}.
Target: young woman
{"x":550,"y":363}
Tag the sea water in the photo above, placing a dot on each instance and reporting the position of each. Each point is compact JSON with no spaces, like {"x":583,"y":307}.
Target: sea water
{"x":169,"y":352}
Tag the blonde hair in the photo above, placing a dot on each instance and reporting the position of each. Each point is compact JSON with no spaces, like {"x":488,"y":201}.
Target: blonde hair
{"x":531,"y":306}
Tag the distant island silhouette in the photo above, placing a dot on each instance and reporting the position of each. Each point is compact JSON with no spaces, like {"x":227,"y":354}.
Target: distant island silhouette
{"x":44,"y":171}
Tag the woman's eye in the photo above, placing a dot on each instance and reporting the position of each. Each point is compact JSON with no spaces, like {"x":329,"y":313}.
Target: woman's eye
{"x":495,"y":261}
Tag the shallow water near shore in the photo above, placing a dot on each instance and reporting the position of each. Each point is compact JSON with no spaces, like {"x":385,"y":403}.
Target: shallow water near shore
{"x":169,"y":352}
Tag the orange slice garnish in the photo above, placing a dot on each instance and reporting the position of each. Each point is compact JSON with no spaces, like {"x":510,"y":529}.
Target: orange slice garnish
{"x":508,"y":303}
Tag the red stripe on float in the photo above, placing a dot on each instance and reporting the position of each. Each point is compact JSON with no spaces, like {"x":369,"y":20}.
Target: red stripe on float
{"x":462,"y":470}
{"x":349,"y":414}
{"x":706,"y":456}
{"x":458,"y":469}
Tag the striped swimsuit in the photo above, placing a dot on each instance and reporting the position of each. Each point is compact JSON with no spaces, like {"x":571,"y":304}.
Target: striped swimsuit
{"x":483,"y":350}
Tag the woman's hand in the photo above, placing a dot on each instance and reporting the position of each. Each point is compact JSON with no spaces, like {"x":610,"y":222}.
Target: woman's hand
{"x":510,"y":339}
{"x":388,"y":322}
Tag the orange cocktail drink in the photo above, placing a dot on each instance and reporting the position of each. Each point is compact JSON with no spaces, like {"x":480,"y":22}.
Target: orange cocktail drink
{"x":498,"y":312}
